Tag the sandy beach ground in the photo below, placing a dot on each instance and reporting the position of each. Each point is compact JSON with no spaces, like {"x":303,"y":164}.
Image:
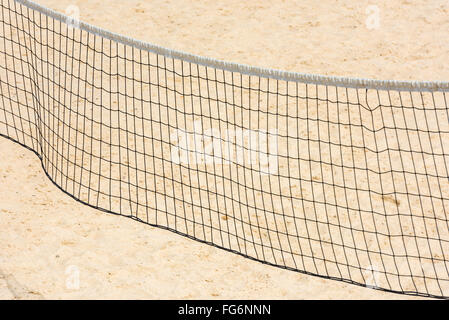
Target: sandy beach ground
{"x":48,"y":239}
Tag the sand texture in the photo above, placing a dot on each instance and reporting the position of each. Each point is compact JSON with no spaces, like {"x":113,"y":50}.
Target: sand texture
{"x":358,"y":187}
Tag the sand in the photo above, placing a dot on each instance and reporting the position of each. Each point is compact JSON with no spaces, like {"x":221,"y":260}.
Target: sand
{"x":50,"y":235}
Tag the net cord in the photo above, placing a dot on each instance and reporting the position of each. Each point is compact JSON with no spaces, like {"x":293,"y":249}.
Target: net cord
{"x":337,"y":81}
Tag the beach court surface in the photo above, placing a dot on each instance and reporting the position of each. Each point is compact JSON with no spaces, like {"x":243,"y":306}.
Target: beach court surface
{"x":48,"y":237}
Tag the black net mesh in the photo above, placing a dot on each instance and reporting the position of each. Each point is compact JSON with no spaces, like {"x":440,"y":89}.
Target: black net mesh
{"x":343,"y":183}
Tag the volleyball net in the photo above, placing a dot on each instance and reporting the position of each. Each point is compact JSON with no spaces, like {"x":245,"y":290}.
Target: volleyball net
{"x":341,"y":178}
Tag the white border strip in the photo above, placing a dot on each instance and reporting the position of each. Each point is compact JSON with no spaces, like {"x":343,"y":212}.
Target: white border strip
{"x":247,"y":69}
